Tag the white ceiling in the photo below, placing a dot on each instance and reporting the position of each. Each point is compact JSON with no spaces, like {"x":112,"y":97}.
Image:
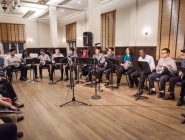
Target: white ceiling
{"x":64,"y":8}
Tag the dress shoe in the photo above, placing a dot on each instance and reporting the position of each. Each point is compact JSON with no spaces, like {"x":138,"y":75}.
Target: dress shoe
{"x":152,"y":92}
{"x":183,"y":115}
{"x":19,"y":134}
{"x":117,"y":85}
{"x":169,"y":97}
{"x":138,"y":93}
{"x":61,"y":78}
{"x":131,"y":85}
{"x":36,"y":77}
{"x":18,"y":105}
{"x":180,"y":103}
{"x":20,"y":118}
{"x":41,"y":76}
{"x":15,"y":98}
{"x":183,"y":122}
{"x":22,"y":79}
{"x":66,"y":79}
{"x":161,"y":95}
{"x":106,"y":84}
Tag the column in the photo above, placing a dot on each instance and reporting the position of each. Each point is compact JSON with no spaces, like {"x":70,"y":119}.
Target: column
{"x":53,"y":26}
{"x":94,"y":19}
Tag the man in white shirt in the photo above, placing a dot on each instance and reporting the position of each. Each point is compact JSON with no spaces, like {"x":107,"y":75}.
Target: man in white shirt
{"x":142,"y":74}
{"x":44,"y":62}
{"x":13,"y":62}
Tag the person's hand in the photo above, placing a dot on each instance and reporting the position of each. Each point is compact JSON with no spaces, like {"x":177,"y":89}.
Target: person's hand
{"x":14,"y":108}
{"x":180,"y":74}
{"x":1,"y":78}
{"x":5,"y":99}
{"x":159,"y":69}
{"x":15,"y":64}
{"x":1,"y":122}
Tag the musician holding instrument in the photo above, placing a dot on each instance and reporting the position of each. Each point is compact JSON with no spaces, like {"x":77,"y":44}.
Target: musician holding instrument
{"x":84,"y":67}
{"x":126,"y":66}
{"x":101,"y":62}
{"x":164,"y":63}
{"x":107,"y":69}
{"x":44,"y":62}
{"x":142,"y":74}
{"x":13,"y":62}
{"x":26,"y":55}
{"x":69,"y":57}
{"x":57,"y":65}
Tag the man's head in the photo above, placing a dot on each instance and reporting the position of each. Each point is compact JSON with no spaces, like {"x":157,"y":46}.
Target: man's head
{"x":142,"y":53}
{"x":97,"y":50}
{"x":42,"y":51}
{"x":12,"y":52}
{"x":71,"y":50}
{"x":111,"y":50}
{"x":165,"y":53}
{"x":57,"y":50}
{"x":183,"y":54}
{"x":25,"y":52}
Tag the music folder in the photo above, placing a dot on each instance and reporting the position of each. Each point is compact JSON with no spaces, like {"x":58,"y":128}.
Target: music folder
{"x":34,"y":60}
{"x":58,"y":59}
{"x":141,"y":65}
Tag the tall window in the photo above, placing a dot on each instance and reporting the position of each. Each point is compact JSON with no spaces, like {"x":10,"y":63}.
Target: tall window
{"x":6,"y":47}
{"x":108,"y":29}
{"x":71,"y":34}
{"x":21,"y":47}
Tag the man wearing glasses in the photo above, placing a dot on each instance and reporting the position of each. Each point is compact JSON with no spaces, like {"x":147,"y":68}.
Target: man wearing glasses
{"x":176,"y":79}
{"x":170,"y":64}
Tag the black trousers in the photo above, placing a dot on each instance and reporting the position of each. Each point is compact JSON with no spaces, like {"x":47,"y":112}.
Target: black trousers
{"x":121,"y":71}
{"x":8,"y":130}
{"x":10,"y":69}
{"x":172,"y":82}
{"x":33,"y":67}
{"x":162,"y":81}
{"x":84,"y":70}
{"x":142,"y":76}
{"x":10,"y":92}
{"x":41,"y":67}
{"x":182,"y":93}
{"x":60,"y":66}
{"x":68,"y":68}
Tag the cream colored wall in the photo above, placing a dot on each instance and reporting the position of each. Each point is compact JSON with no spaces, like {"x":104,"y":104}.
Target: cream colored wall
{"x":38,"y":31}
{"x":132,"y":17}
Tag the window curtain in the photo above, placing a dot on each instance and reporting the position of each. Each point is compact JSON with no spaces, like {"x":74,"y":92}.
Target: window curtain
{"x":71,"y":32}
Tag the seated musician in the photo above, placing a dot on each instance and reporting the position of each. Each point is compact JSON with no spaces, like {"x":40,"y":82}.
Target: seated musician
{"x":69,"y":57}
{"x":180,"y":77}
{"x":142,"y":74}
{"x":57,"y":65}
{"x":164,"y":62}
{"x":26,"y":55}
{"x":44,"y":62}
{"x":84,"y":67}
{"x":107,"y":69}
{"x":126,"y":67}
{"x":101,"y":61}
{"x":13,"y":62}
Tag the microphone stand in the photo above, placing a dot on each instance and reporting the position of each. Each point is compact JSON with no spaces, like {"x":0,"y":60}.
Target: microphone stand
{"x":72,"y":87}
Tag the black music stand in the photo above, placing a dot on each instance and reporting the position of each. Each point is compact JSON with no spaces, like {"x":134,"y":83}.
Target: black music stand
{"x":32,"y":62}
{"x":77,"y":61}
{"x":57,"y":60}
{"x":141,"y":66}
{"x":72,"y":87}
{"x":114,"y":64}
{"x":63,"y":61}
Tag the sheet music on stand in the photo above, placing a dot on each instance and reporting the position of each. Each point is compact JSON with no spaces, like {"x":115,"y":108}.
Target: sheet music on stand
{"x":115,"y":62}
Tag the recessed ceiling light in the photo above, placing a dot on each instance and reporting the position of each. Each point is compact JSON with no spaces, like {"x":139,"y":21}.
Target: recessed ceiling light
{"x":79,"y":2}
{"x":62,"y":10}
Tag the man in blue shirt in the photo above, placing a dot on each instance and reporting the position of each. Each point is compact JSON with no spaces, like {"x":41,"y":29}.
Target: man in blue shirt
{"x":175,"y":79}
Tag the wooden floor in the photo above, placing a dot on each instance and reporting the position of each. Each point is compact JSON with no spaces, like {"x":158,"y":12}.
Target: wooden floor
{"x":116,"y":116}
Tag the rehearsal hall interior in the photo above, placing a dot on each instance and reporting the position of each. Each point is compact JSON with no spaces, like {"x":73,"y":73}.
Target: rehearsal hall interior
{"x":92,"y":69}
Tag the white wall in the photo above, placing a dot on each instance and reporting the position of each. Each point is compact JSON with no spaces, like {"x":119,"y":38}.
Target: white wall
{"x":131,"y":20}
{"x":38,"y":31}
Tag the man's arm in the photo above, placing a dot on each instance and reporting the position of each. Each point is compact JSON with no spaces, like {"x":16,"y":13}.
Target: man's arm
{"x":152,"y":63}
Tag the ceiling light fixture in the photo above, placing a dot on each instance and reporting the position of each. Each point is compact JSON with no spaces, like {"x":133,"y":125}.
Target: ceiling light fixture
{"x":78,"y":2}
{"x":13,"y":5}
{"x":62,"y":10}
{"x":28,"y":14}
